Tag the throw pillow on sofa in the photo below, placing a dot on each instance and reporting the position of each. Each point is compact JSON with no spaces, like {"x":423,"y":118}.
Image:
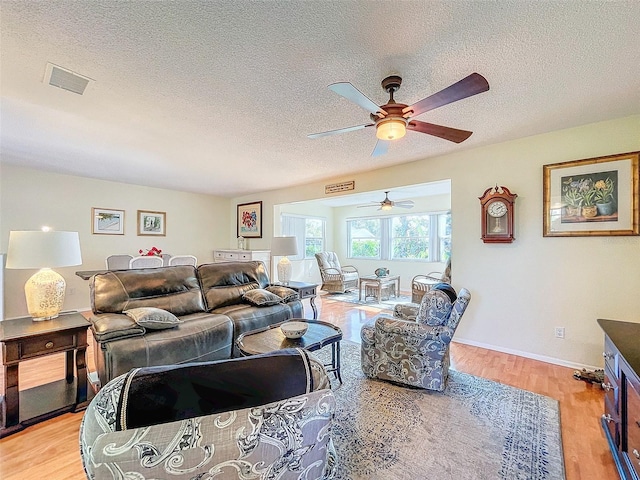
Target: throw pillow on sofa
{"x":285,"y":293}
{"x":261,"y":297}
{"x":153,"y":318}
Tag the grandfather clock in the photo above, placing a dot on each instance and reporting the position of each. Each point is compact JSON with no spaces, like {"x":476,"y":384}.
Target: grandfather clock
{"x":497,"y":208}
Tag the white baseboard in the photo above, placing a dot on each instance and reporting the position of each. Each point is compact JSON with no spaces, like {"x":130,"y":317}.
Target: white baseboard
{"x":533,"y":356}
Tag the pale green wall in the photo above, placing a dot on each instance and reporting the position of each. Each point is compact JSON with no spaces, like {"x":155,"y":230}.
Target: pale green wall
{"x":521,"y":291}
{"x":196,"y":224}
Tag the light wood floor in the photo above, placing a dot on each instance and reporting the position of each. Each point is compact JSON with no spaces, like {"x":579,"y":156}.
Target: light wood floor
{"x":50,"y":449}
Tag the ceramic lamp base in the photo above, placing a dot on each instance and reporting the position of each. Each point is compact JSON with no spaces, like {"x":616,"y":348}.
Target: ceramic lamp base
{"x":45,"y":294}
{"x":284,"y":271}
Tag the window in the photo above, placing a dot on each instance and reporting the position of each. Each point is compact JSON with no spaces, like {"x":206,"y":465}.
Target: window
{"x":309,"y":233}
{"x":365,"y":238}
{"x":401,"y":237}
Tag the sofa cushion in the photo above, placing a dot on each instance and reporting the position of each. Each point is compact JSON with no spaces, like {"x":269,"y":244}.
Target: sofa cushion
{"x":200,"y":337}
{"x":287,"y":294}
{"x":261,"y":297}
{"x":224,"y":283}
{"x":153,"y":318}
{"x":175,"y":289}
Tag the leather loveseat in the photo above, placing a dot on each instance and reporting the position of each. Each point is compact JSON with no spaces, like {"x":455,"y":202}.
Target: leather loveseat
{"x":208,"y":302}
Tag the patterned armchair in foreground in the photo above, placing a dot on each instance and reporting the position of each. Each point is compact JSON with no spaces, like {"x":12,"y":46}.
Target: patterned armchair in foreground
{"x":415,"y":350}
{"x":230,"y":419}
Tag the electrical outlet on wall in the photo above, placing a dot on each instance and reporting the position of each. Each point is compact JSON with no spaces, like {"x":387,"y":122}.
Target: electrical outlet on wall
{"x":559,"y":332}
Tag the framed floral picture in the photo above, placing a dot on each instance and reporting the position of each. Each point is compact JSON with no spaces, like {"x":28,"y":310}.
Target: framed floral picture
{"x":250,"y":220}
{"x":105,"y":221}
{"x":152,"y":223}
{"x":594,"y":196}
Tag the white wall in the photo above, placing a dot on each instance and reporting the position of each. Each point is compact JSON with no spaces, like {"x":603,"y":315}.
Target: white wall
{"x":520,"y":291}
{"x":195,"y":224}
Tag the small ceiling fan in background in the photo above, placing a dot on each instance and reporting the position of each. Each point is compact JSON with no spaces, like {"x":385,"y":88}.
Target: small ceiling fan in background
{"x":387,"y":204}
{"x":393,"y":119}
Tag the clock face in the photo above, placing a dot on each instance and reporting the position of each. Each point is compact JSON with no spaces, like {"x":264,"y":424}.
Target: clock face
{"x":497,"y":209}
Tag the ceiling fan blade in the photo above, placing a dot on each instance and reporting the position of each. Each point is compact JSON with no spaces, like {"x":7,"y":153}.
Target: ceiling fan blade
{"x":448,"y":133}
{"x":340,"y":130}
{"x":404,"y":204}
{"x":467,"y":87}
{"x":372,"y":204}
{"x":348,"y":91}
{"x":382,"y":146}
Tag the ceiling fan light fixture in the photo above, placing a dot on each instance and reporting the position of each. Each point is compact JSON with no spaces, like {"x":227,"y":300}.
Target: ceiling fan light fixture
{"x":386,"y":206}
{"x":391,"y":129}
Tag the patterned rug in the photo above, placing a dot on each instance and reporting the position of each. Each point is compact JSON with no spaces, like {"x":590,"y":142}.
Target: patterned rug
{"x":476,"y":429}
{"x":352,"y":297}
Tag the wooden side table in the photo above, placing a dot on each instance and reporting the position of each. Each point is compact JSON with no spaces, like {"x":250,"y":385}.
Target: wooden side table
{"x":23,"y":339}
{"x":306,"y":290}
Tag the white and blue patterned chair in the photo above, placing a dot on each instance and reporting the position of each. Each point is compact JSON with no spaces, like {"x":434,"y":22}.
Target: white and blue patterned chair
{"x":412,"y":347}
{"x":122,"y":434}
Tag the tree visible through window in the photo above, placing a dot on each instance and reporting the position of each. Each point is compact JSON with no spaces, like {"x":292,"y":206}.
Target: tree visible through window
{"x":424,"y":237}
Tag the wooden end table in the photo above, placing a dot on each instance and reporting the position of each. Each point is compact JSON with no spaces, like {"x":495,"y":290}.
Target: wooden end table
{"x":271,"y":338}
{"x":306,"y":290}
{"x":23,"y":339}
{"x":377,"y":285}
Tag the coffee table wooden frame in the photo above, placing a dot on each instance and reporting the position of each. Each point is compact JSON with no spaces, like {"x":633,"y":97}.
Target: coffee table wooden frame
{"x":319,"y":335}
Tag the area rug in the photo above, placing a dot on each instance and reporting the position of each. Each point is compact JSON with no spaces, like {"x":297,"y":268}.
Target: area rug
{"x":475,"y":429}
{"x":352,"y":297}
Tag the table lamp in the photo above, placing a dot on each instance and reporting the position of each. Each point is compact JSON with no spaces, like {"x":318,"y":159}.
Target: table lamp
{"x":283,"y":246}
{"x":43,"y":250}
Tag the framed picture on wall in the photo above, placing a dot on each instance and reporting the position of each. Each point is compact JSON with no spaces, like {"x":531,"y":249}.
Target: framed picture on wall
{"x":250,"y":220}
{"x":105,"y":221}
{"x":152,"y":223}
{"x":592,"y":197}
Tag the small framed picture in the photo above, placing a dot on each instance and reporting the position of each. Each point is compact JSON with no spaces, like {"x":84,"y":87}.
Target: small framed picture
{"x":106,"y":221}
{"x":250,"y":220}
{"x":152,"y":224}
{"x":594,"y":196}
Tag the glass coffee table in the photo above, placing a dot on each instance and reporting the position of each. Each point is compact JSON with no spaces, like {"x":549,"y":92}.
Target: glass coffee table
{"x":318,"y":335}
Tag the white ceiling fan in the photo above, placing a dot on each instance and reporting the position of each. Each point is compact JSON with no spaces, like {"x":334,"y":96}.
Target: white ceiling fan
{"x":387,"y":204}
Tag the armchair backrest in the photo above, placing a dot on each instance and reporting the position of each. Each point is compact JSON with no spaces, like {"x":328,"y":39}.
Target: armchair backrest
{"x":459,"y":306}
{"x":328,"y":260}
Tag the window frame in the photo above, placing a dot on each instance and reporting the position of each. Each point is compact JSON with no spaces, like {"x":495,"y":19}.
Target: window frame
{"x":435,"y":239}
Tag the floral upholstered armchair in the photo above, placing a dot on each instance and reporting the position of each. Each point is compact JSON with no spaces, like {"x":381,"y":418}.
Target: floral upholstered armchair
{"x":239,"y":418}
{"x":336,"y":278}
{"x":414,"y":350}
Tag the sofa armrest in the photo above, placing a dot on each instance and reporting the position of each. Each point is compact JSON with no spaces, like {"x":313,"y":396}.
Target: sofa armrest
{"x":107,"y":327}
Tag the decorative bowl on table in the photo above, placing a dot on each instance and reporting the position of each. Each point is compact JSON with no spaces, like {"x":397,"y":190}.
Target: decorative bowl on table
{"x":381,"y":272}
{"x":294,"y":329}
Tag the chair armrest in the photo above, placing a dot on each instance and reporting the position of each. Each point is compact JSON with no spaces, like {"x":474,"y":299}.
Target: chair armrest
{"x":332,"y":271}
{"x":406,"y":311}
{"x":349,"y":269}
{"x":386,"y":325}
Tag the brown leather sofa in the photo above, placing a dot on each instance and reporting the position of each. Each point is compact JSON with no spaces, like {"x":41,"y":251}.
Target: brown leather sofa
{"x":208,"y":301}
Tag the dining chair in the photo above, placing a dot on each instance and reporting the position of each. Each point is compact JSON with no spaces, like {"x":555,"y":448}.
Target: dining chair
{"x":118,"y":262}
{"x":183,"y":260}
{"x":145,"y":261}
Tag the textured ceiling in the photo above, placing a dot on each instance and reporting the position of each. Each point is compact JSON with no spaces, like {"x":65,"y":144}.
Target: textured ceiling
{"x":218,"y":97}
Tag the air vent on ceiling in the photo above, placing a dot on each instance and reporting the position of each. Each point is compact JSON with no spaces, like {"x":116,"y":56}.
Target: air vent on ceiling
{"x":66,"y":79}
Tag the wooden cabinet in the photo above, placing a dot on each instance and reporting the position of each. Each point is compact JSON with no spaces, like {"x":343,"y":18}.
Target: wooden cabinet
{"x":621,"y":418}
{"x":231,"y":255}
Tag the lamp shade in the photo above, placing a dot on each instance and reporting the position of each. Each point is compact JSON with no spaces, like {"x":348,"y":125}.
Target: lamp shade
{"x":38,"y":249}
{"x":283,"y":246}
